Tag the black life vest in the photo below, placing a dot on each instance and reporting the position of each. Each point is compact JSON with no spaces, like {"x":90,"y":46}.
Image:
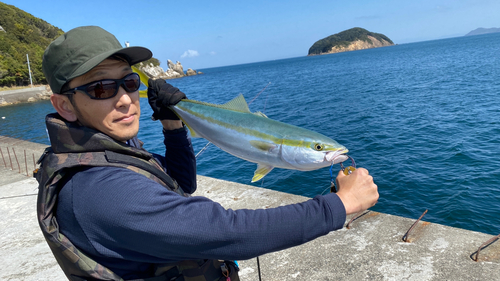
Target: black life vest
{"x":76,"y":146}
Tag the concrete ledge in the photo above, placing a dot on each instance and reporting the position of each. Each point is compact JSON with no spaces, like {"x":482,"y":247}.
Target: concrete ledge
{"x":24,"y":95}
{"x":372,"y":249}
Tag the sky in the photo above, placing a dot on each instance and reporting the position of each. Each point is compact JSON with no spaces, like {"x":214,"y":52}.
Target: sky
{"x":205,"y":34}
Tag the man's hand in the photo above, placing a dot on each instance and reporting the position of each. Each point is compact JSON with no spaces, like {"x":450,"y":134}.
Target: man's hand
{"x":357,"y":191}
{"x":161,"y":95}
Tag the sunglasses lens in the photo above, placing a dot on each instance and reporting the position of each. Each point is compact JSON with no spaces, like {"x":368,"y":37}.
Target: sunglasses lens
{"x":132,"y":82}
{"x":102,"y":89}
{"x":108,"y":88}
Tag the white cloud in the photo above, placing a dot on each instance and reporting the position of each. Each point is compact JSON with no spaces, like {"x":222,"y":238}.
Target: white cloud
{"x":212,"y":53}
{"x":190,"y":54}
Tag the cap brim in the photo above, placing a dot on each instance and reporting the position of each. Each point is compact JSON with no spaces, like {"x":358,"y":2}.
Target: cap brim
{"x":132,"y":54}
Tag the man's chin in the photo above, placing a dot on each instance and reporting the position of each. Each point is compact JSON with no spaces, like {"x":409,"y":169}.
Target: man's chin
{"x":124,"y":135}
{"x":123,"y":138}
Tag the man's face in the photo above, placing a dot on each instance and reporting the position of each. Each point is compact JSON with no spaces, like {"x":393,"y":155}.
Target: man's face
{"x":117,"y":117}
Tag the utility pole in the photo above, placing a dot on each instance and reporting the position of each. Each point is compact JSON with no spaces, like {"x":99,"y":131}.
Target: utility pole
{"x":29,"y":69}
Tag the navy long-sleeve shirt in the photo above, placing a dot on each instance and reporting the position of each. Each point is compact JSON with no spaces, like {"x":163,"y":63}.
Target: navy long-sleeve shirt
{"x":128,"y":222}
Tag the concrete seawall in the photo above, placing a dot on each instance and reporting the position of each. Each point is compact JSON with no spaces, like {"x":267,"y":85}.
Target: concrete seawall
{"x":24,"y":95}
{"x":371,"y":249}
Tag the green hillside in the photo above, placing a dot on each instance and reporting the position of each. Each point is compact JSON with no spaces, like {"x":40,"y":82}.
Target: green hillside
{"x":343,"y":39}
{"x":21,"y":34}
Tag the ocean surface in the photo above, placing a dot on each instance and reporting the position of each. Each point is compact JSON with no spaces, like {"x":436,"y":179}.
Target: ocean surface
{"x":423,"y":118}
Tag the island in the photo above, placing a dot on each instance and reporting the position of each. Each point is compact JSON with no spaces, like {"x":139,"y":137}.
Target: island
{"x":481,"y":30}
{"x":349,"y":40}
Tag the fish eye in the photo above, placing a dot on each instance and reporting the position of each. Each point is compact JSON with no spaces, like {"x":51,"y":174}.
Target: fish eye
{"x":318,"y":146}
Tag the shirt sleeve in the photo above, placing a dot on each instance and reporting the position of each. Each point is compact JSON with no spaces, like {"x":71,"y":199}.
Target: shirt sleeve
{"x":125,"y":215}
{"x":179,"y":160}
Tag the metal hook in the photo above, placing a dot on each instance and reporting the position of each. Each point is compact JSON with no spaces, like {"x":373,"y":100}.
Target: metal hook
{"x":347,"y":171}
{"x":353,"y":165}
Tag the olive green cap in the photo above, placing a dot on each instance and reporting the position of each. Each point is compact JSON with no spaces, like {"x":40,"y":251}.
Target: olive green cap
{"x":79,"y":50}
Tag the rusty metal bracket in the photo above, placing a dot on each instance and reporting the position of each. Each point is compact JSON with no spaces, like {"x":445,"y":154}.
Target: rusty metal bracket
{"x":357,"y":216}
{"x":5,"y":163}
{"x":17,"y":160}
{"x":26,"y":163}
{"x":11,"y":166}
{"x":18,"y":166}
{"x":484,"y":245}
{"x":405,"y":237}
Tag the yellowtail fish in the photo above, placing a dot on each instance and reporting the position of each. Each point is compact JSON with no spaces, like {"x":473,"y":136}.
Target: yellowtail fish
{"x":258,"y":139}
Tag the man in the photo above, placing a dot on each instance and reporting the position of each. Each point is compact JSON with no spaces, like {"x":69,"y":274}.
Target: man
{"x":110,"y":210}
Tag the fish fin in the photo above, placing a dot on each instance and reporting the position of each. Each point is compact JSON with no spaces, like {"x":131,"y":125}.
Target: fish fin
{"x":261,"y":171}
{"x":260,"y":114}
{"x":237,"y":104}
{"x":262,"y":145}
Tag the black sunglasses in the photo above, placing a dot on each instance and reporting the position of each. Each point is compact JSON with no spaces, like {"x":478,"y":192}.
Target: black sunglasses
{"x":108,"y":88}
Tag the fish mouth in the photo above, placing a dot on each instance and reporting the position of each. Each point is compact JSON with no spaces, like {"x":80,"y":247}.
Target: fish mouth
{"x":337,"y":156}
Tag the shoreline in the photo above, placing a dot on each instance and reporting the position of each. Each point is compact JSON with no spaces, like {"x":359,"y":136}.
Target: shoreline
{"x":25,"y":95}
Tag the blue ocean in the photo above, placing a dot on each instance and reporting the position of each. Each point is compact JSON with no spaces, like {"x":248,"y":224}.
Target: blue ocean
{"x":423,"y":118}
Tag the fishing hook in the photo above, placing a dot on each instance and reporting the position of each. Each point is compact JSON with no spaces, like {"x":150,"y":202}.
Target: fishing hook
{"x":351,"y":168}
{"x":347,"y":171}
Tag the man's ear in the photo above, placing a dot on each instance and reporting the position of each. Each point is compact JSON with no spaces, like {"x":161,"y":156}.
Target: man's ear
{"x":64,"y":107}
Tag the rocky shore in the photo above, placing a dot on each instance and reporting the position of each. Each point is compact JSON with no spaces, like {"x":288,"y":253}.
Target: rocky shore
{"x":34,"y":94}
{"x":360,"y":45}
{"x":175,"y":70}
